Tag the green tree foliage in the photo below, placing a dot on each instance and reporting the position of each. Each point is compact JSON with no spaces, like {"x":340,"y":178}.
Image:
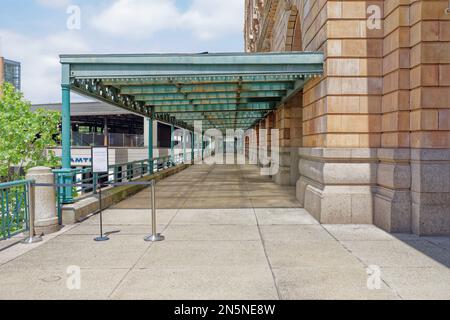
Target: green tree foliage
{"x":25,"y":135}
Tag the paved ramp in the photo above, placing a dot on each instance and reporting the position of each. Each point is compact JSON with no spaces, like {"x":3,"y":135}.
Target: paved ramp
{"x":231,"y":234}
{"x":216,"y":187}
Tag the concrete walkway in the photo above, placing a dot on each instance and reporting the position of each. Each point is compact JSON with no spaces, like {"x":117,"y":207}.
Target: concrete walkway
{"x":231,"y":234}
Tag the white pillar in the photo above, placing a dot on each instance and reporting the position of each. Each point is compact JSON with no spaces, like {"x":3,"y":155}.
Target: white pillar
{"x":146,"y":144}
{"x":155,"y":135}
{"x":46,"y":217}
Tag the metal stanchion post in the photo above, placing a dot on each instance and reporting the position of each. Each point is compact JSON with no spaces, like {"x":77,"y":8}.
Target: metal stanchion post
{"x":31,"y":212}
{"x":102,"y":236}
{"x":154,"y":237}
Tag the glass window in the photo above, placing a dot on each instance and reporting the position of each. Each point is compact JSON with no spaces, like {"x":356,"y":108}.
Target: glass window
{"x":12,"y":73}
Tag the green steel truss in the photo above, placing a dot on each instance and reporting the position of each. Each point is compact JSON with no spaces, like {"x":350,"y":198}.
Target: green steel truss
{"x":230,"y":90}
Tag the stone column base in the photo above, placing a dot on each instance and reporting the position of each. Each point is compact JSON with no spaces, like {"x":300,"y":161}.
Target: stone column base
{"x":283,"y":175}
{"x":430,"y":191}
{"x":398,"y":190}
{"x":336,"y":185}
{"x":47,"y":227}
{"x":336,"y":204}
{"x":392,"y":210}
{"x":392,"y":197}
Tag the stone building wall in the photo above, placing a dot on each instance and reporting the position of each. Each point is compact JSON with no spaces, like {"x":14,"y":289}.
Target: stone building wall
{"x":372,"y":142}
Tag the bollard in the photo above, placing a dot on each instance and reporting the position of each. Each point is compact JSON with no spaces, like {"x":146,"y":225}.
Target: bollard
{"x":45,"y":213}
{"x":31,"y":215}
{"x":154,"y":237}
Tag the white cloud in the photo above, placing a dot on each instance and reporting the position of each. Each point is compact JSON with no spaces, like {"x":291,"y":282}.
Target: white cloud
{"x":54,"y":3}
{"x":206,"y":19}
{"x":39,"y":56}
{"x":137,"y":18}
{"x":210,"y":19}
{"x":130,"y":23}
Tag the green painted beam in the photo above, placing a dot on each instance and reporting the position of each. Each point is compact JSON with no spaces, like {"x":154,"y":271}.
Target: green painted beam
{"x":233,"y":114}
{"x":238,"y":121}
{"x":298,"y":86}
{"x":208,"y":96}
{"x":230,"y":117}
{"x":228,"y":58}
{"x":228,"y":124}
{"x":86,"y":93}
{"x":201,"y":80}
{"x":215,"y":108}
{"x":197,"y":88}
{"x":243,"y":126}
{"x":222,"y":90}
{"x":221,"y":120}
{"x":215,"y":118}
{"x":207,"y":102}
{"x":192,"y":65}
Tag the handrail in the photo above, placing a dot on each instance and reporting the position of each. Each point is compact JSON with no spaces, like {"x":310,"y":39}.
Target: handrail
{"x":15,"y":196}
{"x":14,"y":207}
{"x":86,"y":185}
{"x":11,"y":184}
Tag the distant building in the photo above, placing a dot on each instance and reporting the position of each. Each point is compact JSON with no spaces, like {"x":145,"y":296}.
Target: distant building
{"x":101,"y":124}
{"x":10,"y":71}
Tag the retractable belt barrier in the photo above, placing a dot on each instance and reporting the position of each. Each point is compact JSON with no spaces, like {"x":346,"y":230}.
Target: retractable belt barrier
{"x":153,"y":237}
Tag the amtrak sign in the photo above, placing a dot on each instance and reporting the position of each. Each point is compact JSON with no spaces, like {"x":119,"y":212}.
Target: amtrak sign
{"x":81,"y":161}
{"x":80,"y":157}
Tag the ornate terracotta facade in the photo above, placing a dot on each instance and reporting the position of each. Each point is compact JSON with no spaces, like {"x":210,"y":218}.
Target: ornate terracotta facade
{"x":369,"y":142}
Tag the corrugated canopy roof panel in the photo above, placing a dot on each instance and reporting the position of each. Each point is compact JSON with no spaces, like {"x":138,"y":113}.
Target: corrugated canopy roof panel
{"x":225,"y":90}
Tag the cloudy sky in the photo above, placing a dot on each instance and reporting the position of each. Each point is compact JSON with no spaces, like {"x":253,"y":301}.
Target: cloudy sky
{"x":35,"y":32}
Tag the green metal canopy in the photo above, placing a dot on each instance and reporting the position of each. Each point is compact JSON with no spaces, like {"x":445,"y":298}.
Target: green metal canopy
{"x":227,"y":90}
{"x":224,"y":91}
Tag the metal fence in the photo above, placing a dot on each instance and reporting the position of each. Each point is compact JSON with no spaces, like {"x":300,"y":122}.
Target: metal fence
{"x":85,"y":182}
{"x":114,"y":140}
{"x":15,"y":197}
{"x":14,"y":206}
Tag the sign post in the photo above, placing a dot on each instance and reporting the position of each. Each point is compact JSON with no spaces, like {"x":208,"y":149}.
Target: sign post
{"x":100,"y":162}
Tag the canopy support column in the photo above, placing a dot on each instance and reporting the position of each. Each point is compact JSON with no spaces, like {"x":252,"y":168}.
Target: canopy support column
{"x":66,"y":172}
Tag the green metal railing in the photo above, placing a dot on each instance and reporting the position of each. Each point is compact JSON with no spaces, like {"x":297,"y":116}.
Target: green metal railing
{"x":85,"y":183}
{"x":15,"y":197}
{"x":14,"y":206}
